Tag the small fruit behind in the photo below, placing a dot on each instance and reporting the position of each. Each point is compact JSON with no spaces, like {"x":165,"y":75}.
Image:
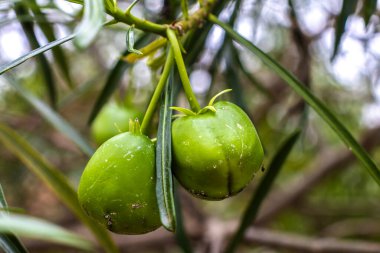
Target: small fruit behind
{"x":112,"y":120}
{"x":117,"y":187}
{"x":216,"y":152}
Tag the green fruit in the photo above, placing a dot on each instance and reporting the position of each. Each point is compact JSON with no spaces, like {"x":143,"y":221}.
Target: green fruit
{"x":112,"y":120}
{"x":117,"y":187}
{"x":216,"y":153}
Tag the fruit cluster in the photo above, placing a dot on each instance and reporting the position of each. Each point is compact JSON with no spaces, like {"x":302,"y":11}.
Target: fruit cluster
{"x":216,"y":153}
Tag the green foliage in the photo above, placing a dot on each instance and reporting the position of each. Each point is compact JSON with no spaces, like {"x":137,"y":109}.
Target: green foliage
{"x":313,"y":101}
{"x":208,"y":59}
{"x":164,"y":185}
{"x":53,"y":178}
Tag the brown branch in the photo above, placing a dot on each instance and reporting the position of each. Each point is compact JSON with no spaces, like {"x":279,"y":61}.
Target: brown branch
{"x":308,"y":244}
{"x":218,"y":231}
{"x":326,"y":162}
{"x":353,"y":227}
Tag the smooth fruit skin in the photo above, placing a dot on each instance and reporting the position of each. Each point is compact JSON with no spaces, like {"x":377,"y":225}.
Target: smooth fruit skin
{"x":112,"y":120}
{"x":216,"y":154}
{"x":117,"y":187}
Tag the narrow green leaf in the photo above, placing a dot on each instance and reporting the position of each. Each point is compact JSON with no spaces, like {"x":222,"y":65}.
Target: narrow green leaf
{"x":92,"y":22}
{"x":34,"y":228}
{"x":348,"y":8}
{"x":8,"y":241}
{"x":113,"y":81}
{"x":48,"y":31}
{"x":309,"y":98}
{"x":52,"y":117}
{"x":43,"y":63}
{"x":369,"y":9}
{"x":18,"y":61}
{"x":262,"y":190}
{"x":54,"y":179}
{"x":164,"y":179}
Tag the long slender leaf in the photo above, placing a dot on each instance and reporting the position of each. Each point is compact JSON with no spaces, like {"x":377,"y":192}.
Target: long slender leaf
{"x":113,"y":81}
{"x":92,"y":22}
{"x":47,"y":73}
{"x":48,"y":31}
{"x":348,"y":8}
{"x":8,"y":241}
{"x":18,"y":61}
{"x":164,"y":183}
{"x":262,"y":190}
{"x":52,"y":117}
{"x":31,"y":227}
{"x":54,"y":179}
{"x":309,"y":98}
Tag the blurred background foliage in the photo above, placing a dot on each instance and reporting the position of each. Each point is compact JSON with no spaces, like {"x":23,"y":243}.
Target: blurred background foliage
{"x":341,"y":201}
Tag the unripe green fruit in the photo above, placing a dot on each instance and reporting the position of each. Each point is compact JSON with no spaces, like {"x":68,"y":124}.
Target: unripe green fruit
{"x":216,"y":154}
{"x":117,"y":187}
{"x":112,"y":120}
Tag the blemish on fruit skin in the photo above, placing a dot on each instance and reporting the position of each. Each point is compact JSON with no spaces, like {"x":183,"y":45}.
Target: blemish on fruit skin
{"x":136,"y":205}
{"x":109,"y":220}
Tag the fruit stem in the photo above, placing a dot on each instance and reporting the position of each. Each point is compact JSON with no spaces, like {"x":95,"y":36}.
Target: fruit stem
{"x":157,"y":92}
{"x":182,"y":70}
{"x":134,"y":126}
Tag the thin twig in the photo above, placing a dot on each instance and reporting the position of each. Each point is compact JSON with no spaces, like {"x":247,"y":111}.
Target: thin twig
{"x":298,"y":243}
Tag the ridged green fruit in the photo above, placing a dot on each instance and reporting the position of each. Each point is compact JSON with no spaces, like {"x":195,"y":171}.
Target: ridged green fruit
{"x":112,"y":120}
{"x":216,"y":154}
{"x":117,"y":187}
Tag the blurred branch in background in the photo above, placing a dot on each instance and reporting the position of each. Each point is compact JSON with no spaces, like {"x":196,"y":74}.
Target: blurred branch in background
{"x":326,"y":162}
{"x":305,"y":244}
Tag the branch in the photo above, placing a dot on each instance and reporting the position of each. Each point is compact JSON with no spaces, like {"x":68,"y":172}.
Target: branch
{"x":197,"y":19}
{"x":308,"y":244}
{"x":217,"y":231}
{"x":326,"y":162}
